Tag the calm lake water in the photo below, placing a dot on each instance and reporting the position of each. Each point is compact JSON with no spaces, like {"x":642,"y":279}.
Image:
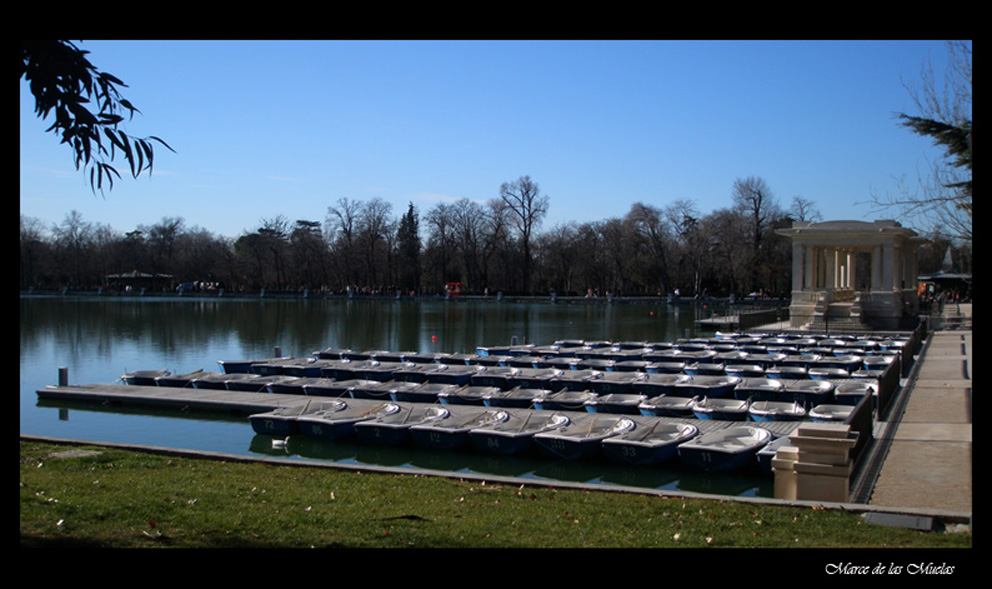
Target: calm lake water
{"x":100,"y":338}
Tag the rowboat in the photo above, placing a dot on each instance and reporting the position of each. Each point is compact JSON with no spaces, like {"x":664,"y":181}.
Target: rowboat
{"x":518,"y":397}
{"x":759,"y":389}
{"x":453,"y":432}
{"x":218,"y":380}
{"x":580,"y":439}
{"x":145,"y":378}
{"x":494,"y":376}
{"x":708,"y":386}
{"x":721,"y":409}
{"x":516,"y":434}
{"x":653,"y":385}
{"x":613,"y":383}
{"x":335,"y":388}
{"x":288,"y":366}
{"x":256,"y":383}
{"x":668,"y":406}
{"x":237,"y":366}
{"x":566,"y":400}
{"x":178,"y":380}
{"x":850,"y":392}
{"x":808,"y":391}
{"x":394,"y":429}
{"x":649,"y":445}
{"x":830,"y":412}
{"x":428,"y":392}
{"x":468,"y":395}
{"x":450,"y":374}
{"x":339,"y":420}
{"x":744,"y":370}
{"x":776,"y":411}
{"x":281,"y":421}
{"x":628,"y":403}
{"x":535,"y":378}
{"x":726,"y":449}
{"x":295,"y":386}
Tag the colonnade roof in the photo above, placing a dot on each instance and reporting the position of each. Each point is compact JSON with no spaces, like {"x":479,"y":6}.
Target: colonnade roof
{"x":850,"y":232}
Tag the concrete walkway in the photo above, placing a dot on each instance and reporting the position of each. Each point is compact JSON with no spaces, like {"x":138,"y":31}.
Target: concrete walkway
{"x":929,"y":461}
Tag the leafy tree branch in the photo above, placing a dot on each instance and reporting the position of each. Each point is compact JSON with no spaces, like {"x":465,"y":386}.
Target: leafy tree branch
{"x":87,"y":107}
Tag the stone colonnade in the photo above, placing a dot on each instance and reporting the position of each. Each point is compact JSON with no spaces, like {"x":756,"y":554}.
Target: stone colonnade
{"x":853,"y":268}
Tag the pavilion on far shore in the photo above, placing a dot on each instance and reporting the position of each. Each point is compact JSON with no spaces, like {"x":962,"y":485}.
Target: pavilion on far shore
{"x":860,"y":272}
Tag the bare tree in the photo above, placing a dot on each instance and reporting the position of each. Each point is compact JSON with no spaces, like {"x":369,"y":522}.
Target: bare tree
{"x":753,"y":199}
{"x":341,"y":230}
{"x":804,"y":210}
{"x":527,"y":208}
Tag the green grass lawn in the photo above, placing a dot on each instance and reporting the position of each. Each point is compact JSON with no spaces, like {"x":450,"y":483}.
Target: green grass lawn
{"x":87,"y":496}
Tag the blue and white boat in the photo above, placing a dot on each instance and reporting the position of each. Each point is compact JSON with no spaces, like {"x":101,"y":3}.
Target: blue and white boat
{"x":451,"y":374}
{"x":468,"y":395}
{"x":336,"y":388}
{"x":645,"y":445}
{"x":515,"y":435}
{"x":613,"y":383}
{"x":628,"y":403}
{"x":583,"y":438}
{"x":338,"y":421}
{"x":535,"y":378}
{"x":294,"y":386}
{"x":394,"y":429}
{"x":282,"y":421}
{"x":255,"y":383}
{"x":566,"y":400}
{"x":143,"y":378}
{"x":706,"y":369}
{"x":745,"y":370}
{"x":721,"y":409}
{"x":668,"y":406}
{"x":379,"y":391}
{"x":719,"y":387}
{"x":217,"y":380}
{"x":776,"y":411}
{"x":808,"y":391}
{"x":452,"y":432}
{"x":653,"y":385}
{"x":850,"y":392}
{"x":237,"y":366}
{"x":519,"y":397}
{"x":177,"y":380}
{"x":783,"y":372}
{"x":828,"y":373}
{"x":574,"y":380}
{"x":494,"y":376}
{"x":726,"y":449}
{"x":759,"y":389}
{"x":830,"y":412}
{"x":428,"y":392}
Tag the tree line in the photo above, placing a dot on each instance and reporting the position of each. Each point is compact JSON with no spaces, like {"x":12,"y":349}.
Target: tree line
{"x":495,"y":246}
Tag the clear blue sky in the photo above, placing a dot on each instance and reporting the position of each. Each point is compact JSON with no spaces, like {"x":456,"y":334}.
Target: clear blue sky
{"x":267,"y":128}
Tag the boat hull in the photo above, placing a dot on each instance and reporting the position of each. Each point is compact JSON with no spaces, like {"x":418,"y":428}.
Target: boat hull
{"x":454,"y":432}
{"x":724,"y":450}
{"x":512,"y":437}
{"x":658,"y":447}
{"x":581,"y":440}
{"x":340,"y":422}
